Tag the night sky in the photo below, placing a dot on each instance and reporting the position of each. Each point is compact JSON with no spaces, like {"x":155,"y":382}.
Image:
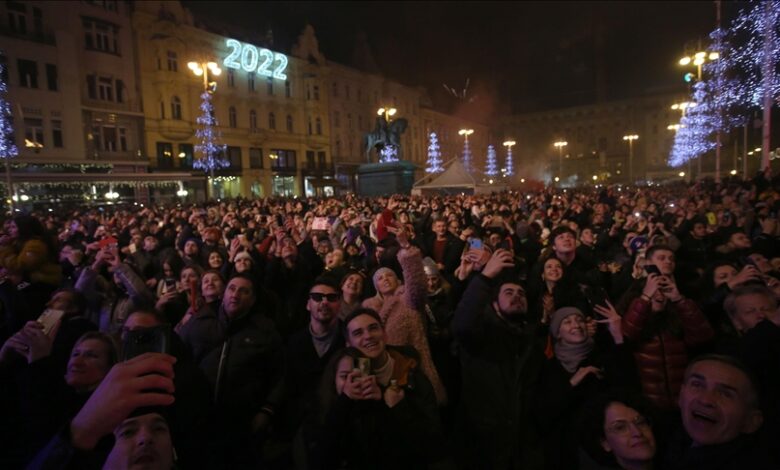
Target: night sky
{"x":519,"y":56}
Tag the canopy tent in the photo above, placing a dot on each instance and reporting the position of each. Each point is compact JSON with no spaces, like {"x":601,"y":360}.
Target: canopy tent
{"x":454,"y":179}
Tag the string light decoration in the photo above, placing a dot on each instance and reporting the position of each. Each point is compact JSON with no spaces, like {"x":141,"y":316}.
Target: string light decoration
{"x":208,"y":135}
{"x":388,"y":154}
{"x":509,"y":168}
{"x":723,"y":85}
{"x":756,"y":53}
{"x":694,"y":137}
{"x":7,"y":147}
{"x":467,"y":157}
{"x":491,"y":166}
{"x":434,"y":155}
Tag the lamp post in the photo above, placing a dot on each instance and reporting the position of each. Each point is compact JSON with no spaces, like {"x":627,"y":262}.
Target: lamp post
{"x":630,"y":138}
{"x":510,"y":165}
{"x":207,"y":70}
{"x":560,"y":144}
{"x":389,"y":152}
{"x":682,"y":107}
{"x":698,"y":59}
{"x":466,"y":149}
{"x":386,"y":112}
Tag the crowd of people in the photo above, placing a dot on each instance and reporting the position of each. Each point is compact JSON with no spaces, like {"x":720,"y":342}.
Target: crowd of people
{"x":581,"y":328}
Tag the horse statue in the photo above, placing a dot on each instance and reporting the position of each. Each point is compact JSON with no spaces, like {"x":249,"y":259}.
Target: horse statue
{"x":384,"y":134}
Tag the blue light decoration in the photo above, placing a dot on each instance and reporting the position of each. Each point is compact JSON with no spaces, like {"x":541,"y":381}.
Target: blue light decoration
{"x":250,"y":59}
{"x":467,"y":163}
{"x":434,"y":155}
{"x":509,"y":169}
{"x":694,"y":137}
{"x":208,"y":135}
{"x":7,"y":147}
{"x":756,"y":54}
{"x":491,"y":166}
{"x":388,"y":153}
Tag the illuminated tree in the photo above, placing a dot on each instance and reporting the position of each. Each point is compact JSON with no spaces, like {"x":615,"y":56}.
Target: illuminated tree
{"x":7,"y":147}
{"x":212,"y":152}
{"x":509,"y":169}
{"x":491,"y":165}
{"x":434,"y":155}
{"x":694,"y":137}
{"x":467,"y":163}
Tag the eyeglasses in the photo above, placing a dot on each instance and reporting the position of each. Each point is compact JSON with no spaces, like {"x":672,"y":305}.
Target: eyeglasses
{"x":318,"y":296}
{"x":623,"y":427}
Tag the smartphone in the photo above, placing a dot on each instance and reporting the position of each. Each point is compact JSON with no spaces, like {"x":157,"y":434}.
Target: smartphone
{"x":143,"y":340}
{"x":49,"y":318}
{"x":279,"y":220}
{"x":475,"y":243}
{"x":363,"y":364}
{"x":132,"y":248}
{"x":652,"y":269}
{"x":170,"y":285}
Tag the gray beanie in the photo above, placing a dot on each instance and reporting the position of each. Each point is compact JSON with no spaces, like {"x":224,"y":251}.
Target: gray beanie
{"x":559,"y":316}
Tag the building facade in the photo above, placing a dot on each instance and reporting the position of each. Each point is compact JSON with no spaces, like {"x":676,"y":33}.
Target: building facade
{"x":75,"y":99}
{"x":594,"y":140}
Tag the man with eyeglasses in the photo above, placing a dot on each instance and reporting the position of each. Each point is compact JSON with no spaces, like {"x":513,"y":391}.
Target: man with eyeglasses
{"x":308,"y":352}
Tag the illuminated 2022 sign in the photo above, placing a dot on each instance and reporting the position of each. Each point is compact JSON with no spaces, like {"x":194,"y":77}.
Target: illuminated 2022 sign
{"x":249,"y":58}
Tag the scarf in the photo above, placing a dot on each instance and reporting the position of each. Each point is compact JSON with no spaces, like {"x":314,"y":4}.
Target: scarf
{"x":571,"y":355}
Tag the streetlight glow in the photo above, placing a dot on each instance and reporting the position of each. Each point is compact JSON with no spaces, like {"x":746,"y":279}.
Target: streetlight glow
{"x":682,"y":174}
{"x":509,"y":143}
{"x":386,"y":112}
{"x":685,"y":61}
{"x":630,"y":138}
{"x":733,"y":172}
{"x":466,"y":132}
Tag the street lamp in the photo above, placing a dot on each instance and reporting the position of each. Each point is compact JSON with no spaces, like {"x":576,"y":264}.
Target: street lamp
{"x":698,"y":59}
{"x":510,"y":165}
{"x":386,"y":112}
{"x":560,"y":144}
{"x":630,"y":138}
{"x":466,"y":149}
{"x":207,"y":70}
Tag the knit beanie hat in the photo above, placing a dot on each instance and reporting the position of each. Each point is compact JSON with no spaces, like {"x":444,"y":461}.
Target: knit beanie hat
{"x":559,"y":316}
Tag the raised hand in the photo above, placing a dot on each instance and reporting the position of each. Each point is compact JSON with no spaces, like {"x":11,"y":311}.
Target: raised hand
{"x":145,"y":380}
{"x":501,"y":259}
{"x":612,"y":319}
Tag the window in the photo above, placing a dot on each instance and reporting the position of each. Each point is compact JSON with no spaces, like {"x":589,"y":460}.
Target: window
{"x":250,"y":81}
{"x":162,"y":110}
{"x":109,"y":5}
{"x":360,"y":122}
{"x":175,"y":108}
{"x":360,"y":95}
{"x":105,"y":89}
{"x":56,"y":133}
{"x":232,"y":117}
{"x":321,"y":161}
{"x":234,"y":156}
{"x":255,"y":158}
{"x":336,"y":119}
{"x":231,"y":78}
{"x":109,"y":138}
{"x":269,"y":87}
{"x":287,"y":89}
{"x":173,"y":62}
{"x":164,"y":155}
{"x":51,"y":77}
{"x":310,"y":160}
{"x":272,"y":121}
{"x":308,"y":93}
{"x":17,"y":17}
{"x":335,"y":89}
{"x":349,"y":121}
{"x":316,"y":92}
{"x":100,"y":35}
{"x":309,"y":127}
{"x":120,"y":91}
{"x":253,"y":120}
{"x":318,"y":125}
{"x":28,"y":73}
{"x":122,"y":139}
{"x":290,"y":123}
{"x":338,"y":147}
{"x":33,"y":133}
{"x":185,"y":155}
{"x":283,"y":159}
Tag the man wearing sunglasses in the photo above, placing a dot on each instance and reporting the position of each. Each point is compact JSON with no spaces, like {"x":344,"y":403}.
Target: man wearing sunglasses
{"x":308,"y":352}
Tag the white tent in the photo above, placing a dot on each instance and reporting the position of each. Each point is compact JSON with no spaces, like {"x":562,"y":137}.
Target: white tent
{"x":454,"y":179}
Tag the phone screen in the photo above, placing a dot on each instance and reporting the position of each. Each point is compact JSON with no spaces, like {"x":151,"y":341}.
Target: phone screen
{"x":652,"y":269}
{"x":475,"y":243}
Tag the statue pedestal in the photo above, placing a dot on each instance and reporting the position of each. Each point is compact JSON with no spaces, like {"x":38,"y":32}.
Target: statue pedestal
{"x":378,"y":179}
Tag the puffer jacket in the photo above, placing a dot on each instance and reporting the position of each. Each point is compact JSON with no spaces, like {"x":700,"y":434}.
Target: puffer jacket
{"x":663,"y":341}
{"x":32,"y":262}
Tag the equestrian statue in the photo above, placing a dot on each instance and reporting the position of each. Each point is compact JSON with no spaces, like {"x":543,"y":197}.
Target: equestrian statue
{"x":385,"y":134}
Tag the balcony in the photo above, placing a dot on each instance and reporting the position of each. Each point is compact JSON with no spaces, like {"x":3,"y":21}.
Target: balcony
{"x":176,"y":130}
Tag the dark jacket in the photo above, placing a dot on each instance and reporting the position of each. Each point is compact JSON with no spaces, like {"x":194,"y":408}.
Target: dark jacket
{"x":452,"y":251}
{"x":499,"y":364}
{"x":243,"y":361}
{"x":745,"y":452}
{"x":663,"y":342}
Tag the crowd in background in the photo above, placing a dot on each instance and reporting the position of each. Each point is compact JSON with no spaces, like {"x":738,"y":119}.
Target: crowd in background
{"x":609,"y":327}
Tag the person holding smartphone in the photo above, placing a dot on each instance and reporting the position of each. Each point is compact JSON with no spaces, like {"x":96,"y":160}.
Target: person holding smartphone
{"x":664,"y":325}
